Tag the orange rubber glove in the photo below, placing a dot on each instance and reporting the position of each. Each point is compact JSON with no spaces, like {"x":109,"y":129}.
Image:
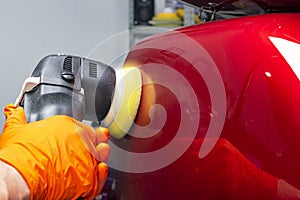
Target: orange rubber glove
{"x":59,"y":157}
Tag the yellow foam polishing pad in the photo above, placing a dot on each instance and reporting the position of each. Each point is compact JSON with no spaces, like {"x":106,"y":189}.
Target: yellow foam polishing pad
{"x":125,"y":102}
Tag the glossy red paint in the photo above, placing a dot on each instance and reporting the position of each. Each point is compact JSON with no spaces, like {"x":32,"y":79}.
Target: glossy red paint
{"x":261,"y":117}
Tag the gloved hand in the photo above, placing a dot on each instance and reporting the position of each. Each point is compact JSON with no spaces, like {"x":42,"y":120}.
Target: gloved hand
{"x":59,"y":157}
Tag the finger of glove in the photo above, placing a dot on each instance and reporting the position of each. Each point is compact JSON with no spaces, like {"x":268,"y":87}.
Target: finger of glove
{"x":87,"y":131}
{"x":95,"y":136}
{"x":103,"y":151}
{"x":102,"y":135}
{"x":14,"y":116}
{"x":101,"y":176}
{"x":102,"y":173}
{"x":91,"y":138}
{"x":99,"y":135}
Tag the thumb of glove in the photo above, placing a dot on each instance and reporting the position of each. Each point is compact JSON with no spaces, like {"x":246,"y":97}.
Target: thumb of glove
{"x":15,"y":116}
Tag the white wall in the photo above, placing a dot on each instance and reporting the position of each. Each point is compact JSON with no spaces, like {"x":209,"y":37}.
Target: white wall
{"x":31,"y":29}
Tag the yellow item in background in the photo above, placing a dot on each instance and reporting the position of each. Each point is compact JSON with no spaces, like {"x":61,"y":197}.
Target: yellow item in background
{"x":59,"y":157}
{"x":167,"y":16}
{"x":166,"y":19}
{"x":180,"y":13}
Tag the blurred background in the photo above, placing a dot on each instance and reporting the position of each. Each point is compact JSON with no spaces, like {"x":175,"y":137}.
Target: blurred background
{"x":33,"y":29}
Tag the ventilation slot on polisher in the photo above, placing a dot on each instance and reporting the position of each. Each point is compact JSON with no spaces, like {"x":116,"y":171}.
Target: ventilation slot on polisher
{"x":93,"y":70}
{"x":68,"y":64}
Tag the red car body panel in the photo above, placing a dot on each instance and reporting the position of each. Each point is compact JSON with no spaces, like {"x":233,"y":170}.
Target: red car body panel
{"x":262,"y":94}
